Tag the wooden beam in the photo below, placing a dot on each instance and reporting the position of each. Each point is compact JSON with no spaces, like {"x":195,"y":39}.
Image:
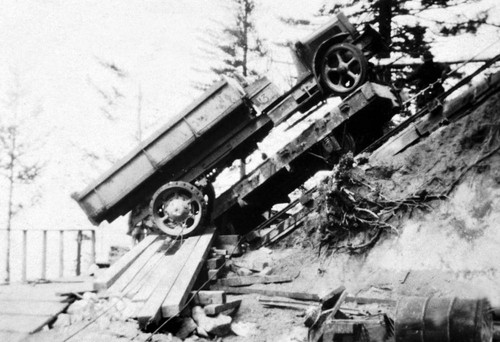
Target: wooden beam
{"x":266,"y":292}
{"x":143,"y":277}
{"x":132,"y":271}
{"x":215,"y":309}
{"x":208,"y":297}
{"x":249,"y":280}
{"x":150,"y":313}
{"x":31,"y":308}
{"x":117,"y":269}
{"x":179,"y":293}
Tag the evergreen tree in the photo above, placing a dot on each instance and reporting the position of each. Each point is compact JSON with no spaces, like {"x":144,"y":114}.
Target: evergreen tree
{"x":408,"y":36}
{"x":234,"y":49}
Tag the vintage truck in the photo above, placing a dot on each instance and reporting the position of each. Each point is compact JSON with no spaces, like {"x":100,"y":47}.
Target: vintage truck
{"x":171,"y":172}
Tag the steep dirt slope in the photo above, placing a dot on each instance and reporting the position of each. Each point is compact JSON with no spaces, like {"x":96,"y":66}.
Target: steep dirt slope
{"x":452,"y":247}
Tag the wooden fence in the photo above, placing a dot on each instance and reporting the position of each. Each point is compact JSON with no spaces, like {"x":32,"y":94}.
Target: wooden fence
{"x":79,"y":234}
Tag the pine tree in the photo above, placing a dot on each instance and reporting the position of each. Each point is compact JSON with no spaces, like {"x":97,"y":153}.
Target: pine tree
{"x":409,"y":37}
{"x":234,"y":49}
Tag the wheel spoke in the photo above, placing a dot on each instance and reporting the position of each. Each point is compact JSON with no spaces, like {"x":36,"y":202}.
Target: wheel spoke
{"x":352,"y":59}
{"x":331,"y":70}
{"x":339,"y":57}
{"x":353,"y":76}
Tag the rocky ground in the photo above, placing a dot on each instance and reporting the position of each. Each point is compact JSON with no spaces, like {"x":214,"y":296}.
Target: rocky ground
{"x":442,"y":240}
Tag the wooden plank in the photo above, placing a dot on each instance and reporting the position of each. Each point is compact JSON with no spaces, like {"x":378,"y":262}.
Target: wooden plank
{"x":31,"y":308}
{"x":286,"y":300}
{"x":117,"y":269}
{"x":331,"y":298}
{"x":23,"y":323}
{"x":292,"y":306}
{"x":215,"y":309}
{"x":316,"y":331}
{"x":150,"y":313}
{"x":249,"y":280}
{"x":367,"y":300}
{"x":138,"y":264}
{"x":288,"y":294}
{"x":154,"y":278}
{"x":164,"y":266}
{"x":76,"y":288}
{"x":208,"y":297}
{"x":179,"y":293}
{"x":143,"y":277}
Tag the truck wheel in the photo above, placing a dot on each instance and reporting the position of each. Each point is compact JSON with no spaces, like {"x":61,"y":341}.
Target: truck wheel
{"x":343,"y":68}
{"x":178,"y":209}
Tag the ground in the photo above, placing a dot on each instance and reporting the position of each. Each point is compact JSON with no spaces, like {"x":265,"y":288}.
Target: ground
{"x":449,"y":249}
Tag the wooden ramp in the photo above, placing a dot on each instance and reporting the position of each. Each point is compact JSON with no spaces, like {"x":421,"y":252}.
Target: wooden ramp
{"x":26,"y":309}
{"x":158,"y":275}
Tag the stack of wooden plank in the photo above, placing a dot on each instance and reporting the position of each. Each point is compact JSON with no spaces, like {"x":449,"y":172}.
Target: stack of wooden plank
{"x":27,"y":308}
{"x":158,"y":275}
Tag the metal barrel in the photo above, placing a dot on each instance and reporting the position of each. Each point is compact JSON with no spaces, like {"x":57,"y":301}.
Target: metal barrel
{"x":430,"y":319}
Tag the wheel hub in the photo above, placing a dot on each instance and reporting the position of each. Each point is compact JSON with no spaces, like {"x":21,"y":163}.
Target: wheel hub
{"x":177,"y":209}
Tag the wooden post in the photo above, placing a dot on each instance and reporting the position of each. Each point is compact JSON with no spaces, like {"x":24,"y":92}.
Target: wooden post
{"x":92,"y":252}
{"x":61,"y":253}
{"x":78,"y":252}
{"x":44,"y":255}
{"x":24,"y":251}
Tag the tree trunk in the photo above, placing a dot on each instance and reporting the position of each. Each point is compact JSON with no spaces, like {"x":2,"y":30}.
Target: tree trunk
{"x":384,"y":23}
{"x":10,"y":206}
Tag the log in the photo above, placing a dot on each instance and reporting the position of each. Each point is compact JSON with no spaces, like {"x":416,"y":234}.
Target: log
{"x":249,"y":280}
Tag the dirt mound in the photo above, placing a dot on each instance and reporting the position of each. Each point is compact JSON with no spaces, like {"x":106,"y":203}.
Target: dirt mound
{"x":446,"y":246}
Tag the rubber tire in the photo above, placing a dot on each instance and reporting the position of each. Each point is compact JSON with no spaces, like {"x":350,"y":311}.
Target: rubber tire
{"x":360,"y":69}
{"x":183,"y":187}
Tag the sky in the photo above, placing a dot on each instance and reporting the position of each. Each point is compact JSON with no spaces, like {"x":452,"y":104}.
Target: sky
{"x":54,"y":48}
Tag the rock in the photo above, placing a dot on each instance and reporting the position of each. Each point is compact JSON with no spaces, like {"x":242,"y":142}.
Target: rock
{"x":63,"y":320}
{"x":195,"y":338}
{"x":127,"y":330}
{"x":297,"y":334}
{"x":187,"y":327}
{"x":266,"y":250}
{"x":165,"y":338}
{"x":219,"y":325}
{"x":244,"y":329}
{"x":260,"y":265}
{"x":242,"y":271}
{"x":90,"y":296}
{"x":266,"y":271}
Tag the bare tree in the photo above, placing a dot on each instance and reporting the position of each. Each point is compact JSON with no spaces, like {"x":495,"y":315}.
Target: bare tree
{"x":17,"y":164}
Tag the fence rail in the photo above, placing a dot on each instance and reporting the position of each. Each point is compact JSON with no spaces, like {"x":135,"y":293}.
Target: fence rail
{"x":61,"y":253}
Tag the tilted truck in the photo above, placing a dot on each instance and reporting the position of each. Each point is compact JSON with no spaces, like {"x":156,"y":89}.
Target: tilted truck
{"x":171,"y":172}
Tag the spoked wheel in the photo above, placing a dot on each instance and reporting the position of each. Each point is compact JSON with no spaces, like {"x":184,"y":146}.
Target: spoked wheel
{"x":178,"y":209}
{"x":333,"y":149}
{"x":343,"y":68}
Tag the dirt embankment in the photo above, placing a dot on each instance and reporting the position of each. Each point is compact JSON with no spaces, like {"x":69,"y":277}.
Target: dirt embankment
{"x":445,"y":247}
